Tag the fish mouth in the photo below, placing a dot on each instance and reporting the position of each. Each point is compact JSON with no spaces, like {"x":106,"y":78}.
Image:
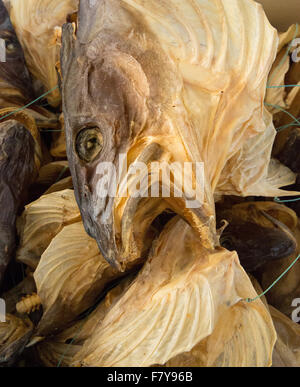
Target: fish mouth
{"x":135,"y":221}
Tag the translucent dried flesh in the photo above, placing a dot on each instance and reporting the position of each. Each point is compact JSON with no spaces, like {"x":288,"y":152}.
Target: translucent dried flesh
{"x":51,"y":173}
{"x":37,"y":25}
{"x":61,"y":185}
{"x":61,"y":349}
{"x":176,"y":302}
{"x":241,"y":338}
{"x":277,"y":95}
{"x":290,"y":95}
{"x":14,"y":335}
{"x":70,"y":277}
{"x":41,"y":221}
{"x":287,"y":349}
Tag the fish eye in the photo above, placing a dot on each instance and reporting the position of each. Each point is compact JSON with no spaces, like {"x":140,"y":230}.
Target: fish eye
{"x":10,"y":46}
{"x":89,"y":144}
{"x":227,"y":243}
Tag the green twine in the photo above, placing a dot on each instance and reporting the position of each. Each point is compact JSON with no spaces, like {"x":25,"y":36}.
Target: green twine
{"x":277,"y":200}
{"x":285,"y":111}
{"x":67,"y":349}
{"x":75,"y":337}
{"x":29,"y":104}
{"x":275,"y":87}
{"x":296,"y":121}
{"x":281,"y":128}
{"x":274,"y":283}
{"x":61,"y":173}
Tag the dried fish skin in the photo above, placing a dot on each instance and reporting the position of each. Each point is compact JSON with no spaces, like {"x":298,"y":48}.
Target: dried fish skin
{"x":14,"y":335}
{"x":218,"y":351}
{"x":49,"y":174}
{"x":37,"y":24}
{"x":17,"y":172}
{"x":41,"y":221}
{"x":15,"y":81}
{"x":287,"y":349}
{"x":280,"y":69}
{"x":291,"y":94}
{"x":232,"y":342}
{"x":70,"y":277}
{"x":52,"y":172}
{"x":286,"y":37}
{"x":183,"y":98}
{"x":277,"y":96}
{"x":61,"y":185}
{"x":255,"y":176}
{"x":176,"y":302}
{"x":54,"y":354}
{"x":59,"y":350}
{"x":281,"y":295}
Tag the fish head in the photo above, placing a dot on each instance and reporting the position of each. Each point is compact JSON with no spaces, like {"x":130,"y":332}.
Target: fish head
{"x":260,"y":232}
{"x":122,"y":106}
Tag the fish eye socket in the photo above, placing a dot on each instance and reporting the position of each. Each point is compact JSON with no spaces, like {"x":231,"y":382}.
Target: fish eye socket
{"x":10,"y":46}
{"x":227,"y":243}
{"x":89,"y":144}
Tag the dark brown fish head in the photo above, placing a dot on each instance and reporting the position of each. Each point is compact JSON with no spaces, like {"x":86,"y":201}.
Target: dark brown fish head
{"x":257,"y":244}
{"x":120,"y":94}
{"x":17,"y":172}
{"x":13,"y":70}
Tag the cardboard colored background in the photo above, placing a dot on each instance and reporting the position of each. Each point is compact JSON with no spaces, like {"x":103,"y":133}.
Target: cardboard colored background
{"x":282,"y":13}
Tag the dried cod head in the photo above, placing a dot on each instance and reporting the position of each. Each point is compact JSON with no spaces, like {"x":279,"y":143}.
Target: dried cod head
{"x":167,"y":81}
{"x":282,"y":295}
{"x":17,"y":171}
{"x":260,"y":232}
